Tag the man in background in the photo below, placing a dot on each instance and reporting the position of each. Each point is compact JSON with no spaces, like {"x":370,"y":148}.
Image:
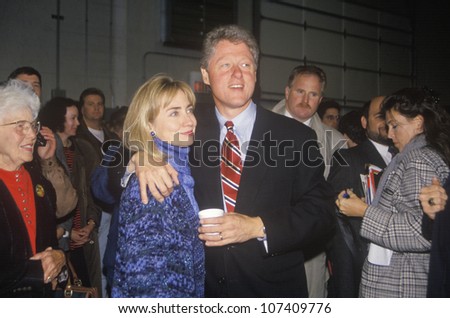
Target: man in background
{"x":29,"y":75}
{"x":348,"y":249}
{"x":329,"y":112}
{"x":303,"y":94}
{"x":91,"y":129}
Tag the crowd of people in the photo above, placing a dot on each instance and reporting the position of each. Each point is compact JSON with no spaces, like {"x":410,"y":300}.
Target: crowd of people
{"x":315,"y":204}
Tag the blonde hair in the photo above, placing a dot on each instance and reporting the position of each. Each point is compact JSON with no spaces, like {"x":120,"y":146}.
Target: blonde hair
{"x":153,"y":96}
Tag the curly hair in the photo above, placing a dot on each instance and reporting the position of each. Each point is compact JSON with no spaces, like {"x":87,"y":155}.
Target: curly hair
{"x":411,"y":102}
{"x":53,"y":114}
{"x":16,"y":95}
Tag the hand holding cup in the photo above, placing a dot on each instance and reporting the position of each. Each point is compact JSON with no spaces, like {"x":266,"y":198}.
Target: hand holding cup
{"x":210,"y":213}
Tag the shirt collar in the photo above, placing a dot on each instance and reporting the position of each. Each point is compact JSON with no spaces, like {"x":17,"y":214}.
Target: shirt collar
{"x":243,"y":123}
{"x":383,"y":151}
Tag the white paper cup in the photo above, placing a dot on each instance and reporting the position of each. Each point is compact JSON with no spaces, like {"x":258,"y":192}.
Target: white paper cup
{"x":210,"y":213}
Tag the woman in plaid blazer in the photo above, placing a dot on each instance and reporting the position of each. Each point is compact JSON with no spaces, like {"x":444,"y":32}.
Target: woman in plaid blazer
{"x":399,"y":254}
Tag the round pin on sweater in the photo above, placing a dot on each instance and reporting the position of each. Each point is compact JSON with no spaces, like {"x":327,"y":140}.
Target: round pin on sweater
{"x":40,"y":190}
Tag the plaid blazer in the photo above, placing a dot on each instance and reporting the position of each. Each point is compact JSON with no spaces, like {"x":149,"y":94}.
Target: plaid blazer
{"x":396,"y":223}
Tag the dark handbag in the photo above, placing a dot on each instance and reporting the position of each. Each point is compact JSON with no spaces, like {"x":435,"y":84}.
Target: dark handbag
{"x":75,"y":289}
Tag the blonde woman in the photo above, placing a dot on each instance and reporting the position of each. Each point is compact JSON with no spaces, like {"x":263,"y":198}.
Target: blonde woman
{"x":159,"y":253}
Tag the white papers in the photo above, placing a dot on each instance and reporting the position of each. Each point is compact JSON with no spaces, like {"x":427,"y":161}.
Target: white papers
{"x":377,"y":255}
{"x":368,"y":182}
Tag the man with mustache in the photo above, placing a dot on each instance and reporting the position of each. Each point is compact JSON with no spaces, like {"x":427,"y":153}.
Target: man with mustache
{"x":303,"y":95}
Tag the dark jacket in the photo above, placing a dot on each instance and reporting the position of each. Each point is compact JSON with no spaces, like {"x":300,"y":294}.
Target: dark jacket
{"x":282,"y":182}
{"x":20,"y":276}
{"x":93,"y":161}
{"x":88,"y":209}
{"x":348,"y":249}
{"x":439,"y":275}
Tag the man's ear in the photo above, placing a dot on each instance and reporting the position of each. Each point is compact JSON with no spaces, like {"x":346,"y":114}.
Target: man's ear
{"x":364,"y":122}
{"x":205,"y":76}
{"x":286,"y":92}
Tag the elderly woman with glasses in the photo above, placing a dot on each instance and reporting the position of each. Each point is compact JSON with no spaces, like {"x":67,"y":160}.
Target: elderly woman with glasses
{"x":29,"y":259}
{"x":399,"y":254}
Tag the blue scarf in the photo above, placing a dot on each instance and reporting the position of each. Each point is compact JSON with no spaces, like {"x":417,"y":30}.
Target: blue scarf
{"x":178,"y":158}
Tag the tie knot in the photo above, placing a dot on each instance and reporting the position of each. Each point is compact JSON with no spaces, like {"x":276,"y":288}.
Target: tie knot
{"x":229,"y":124}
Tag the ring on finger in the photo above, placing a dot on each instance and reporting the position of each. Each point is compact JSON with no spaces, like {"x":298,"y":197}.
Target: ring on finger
{"x":431,"y":202}
{"x":220,"y":236}
{"x":49,"y":279}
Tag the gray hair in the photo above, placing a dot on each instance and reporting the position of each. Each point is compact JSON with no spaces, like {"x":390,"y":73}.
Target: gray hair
{"x":16,"y":95}
{"x":233,"y":33}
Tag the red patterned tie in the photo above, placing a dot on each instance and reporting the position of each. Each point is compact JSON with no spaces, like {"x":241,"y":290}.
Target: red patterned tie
{"x":230,"y":167}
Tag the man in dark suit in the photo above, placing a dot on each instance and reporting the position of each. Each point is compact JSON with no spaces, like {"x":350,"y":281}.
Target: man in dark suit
{"x":349,"y":249}
{"x":283,"y":202}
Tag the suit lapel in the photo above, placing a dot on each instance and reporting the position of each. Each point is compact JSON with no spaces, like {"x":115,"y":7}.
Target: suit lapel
{"x":373,"y":155}
{"x":206,"y":152}
{"x":254,"y":167}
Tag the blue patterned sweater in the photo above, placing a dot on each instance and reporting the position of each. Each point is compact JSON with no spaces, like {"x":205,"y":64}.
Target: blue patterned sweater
{"x":159,"y":253}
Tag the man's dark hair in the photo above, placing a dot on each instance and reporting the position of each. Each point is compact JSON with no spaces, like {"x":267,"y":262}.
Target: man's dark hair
{"x":28,"y":70}
{"x":327,"y":104}
{"x":350,"y":124}
{"x":365,"y":109}
{"x":91,"y":91}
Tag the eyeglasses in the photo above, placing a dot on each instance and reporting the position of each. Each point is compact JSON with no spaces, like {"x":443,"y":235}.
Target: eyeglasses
{"x":332,"y":117}
{"x":23,"y":126}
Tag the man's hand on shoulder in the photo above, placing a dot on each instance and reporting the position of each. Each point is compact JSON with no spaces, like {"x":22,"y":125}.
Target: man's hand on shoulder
{"x":159,"y":179}
{"x":433,"y":198}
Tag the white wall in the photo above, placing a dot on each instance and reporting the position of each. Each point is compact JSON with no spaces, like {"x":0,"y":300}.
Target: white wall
{"x":28,"y":37}
{"x":291,"y":34}
{"x":97,"y":50}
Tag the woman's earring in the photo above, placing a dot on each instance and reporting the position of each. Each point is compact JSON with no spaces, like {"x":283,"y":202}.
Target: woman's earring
{"x":153,"y":134}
